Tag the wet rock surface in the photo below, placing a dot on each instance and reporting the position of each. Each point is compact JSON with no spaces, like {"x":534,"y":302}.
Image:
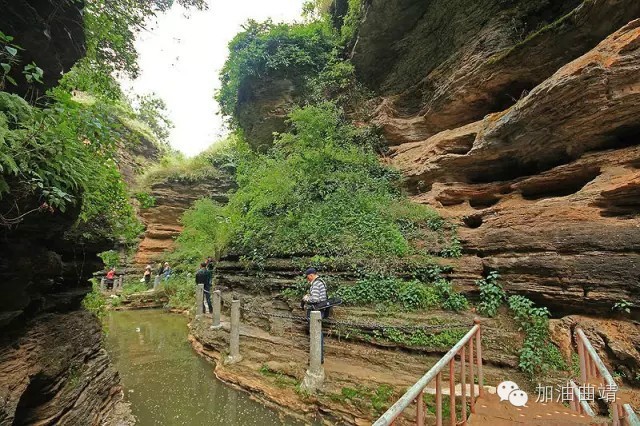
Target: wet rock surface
{"x":51,"y":32}
{"x":55,"y":371}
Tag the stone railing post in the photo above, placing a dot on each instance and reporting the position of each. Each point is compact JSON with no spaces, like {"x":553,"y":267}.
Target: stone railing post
{"x":103,"y":284}
{"x":314,"y":378}
{"x":200,"y":299}
{"x":234,"y":337}
{"x":216,"y":309}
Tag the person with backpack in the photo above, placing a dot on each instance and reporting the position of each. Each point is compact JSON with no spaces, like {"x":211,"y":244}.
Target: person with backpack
{"x":203,"y":276}
{"x":317,"y":300}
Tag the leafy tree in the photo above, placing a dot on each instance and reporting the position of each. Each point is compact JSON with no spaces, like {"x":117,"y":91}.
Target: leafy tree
{"x":152,"y":110}
{"x":294,"y":51}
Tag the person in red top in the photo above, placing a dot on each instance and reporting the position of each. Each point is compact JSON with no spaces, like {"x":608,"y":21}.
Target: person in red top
{"x":110,"y":277}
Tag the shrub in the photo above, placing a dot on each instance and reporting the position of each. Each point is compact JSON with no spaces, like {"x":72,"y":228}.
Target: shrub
{"x":322,"y":190}
{"x":451,"y":300}
{"x":146,"y":200}
{"x":623,"y":306}
{"x":110,"y":258}
{"x":411,"y":295}
{"x":62,"y":156}
{"x":414,"y":295}
{"x":538,"y":353}
{"x":267,"y":50}
{"x":492,"y":296}
{"x":94,"y":301}
{"x":181,"y":291}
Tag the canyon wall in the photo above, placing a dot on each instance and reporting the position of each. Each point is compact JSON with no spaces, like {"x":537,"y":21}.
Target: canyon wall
{"x":53,"y":368}
{"x":162,"y":222}
{"x":521,"y":124}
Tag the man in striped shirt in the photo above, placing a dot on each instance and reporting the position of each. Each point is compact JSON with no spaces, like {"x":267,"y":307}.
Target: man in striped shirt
{"x":317,"y":293}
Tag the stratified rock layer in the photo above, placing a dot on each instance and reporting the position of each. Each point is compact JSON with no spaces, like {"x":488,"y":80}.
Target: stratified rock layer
{"x":57,"y":372}
{"x":443,"y":64}
{"x":547,"y":190}
{"x":163,"y":220}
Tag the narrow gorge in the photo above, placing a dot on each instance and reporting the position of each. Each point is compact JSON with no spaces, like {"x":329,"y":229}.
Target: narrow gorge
{"x":440,"y":163}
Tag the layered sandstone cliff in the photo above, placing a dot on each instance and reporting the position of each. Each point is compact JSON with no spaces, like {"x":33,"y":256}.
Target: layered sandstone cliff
{"x":532,"y":146}
{"x":162,"y":222}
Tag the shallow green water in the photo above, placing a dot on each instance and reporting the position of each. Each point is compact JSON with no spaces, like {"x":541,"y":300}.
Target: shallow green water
{"x":167,"y":383}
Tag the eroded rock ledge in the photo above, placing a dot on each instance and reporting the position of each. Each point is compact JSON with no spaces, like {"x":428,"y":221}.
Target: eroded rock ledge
{"x":546,"y":191}
{"x":56,"y":372}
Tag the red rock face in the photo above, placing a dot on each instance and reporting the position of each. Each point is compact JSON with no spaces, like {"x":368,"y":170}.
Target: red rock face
{"x":163,"y":221}
{"x":547,"y":191}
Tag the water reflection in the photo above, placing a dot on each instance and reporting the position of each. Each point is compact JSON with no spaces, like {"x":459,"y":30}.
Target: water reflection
{"x":167,"y":383}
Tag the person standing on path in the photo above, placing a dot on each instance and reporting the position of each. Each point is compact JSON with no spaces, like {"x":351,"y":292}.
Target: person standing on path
{"x":159,"y":272}
{"x":166,"y":271}
{"x":314,"y":299}
{"x":147,"y":275}
{"x":203,"y":276}
{"x":111,"y":276}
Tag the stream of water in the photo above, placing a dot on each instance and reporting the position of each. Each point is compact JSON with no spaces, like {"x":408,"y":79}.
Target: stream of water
{"x":167,"y":383}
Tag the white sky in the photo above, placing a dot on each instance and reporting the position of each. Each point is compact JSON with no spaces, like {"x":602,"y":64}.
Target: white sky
{"x":182,"y":54}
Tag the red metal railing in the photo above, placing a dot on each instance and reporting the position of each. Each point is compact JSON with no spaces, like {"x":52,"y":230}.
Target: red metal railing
{"x":593,"y":371}
{"x":464,"y":350}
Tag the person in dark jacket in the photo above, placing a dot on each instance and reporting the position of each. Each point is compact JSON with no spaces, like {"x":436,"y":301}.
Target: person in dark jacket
{"x":203,"y":276}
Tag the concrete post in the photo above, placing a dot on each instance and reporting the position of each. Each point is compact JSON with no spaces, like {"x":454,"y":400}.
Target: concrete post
{"x":103,"y":284}
{"x":234,"y":338}
{"x":314,"y":378}
{"x":200,"y":299}
{"x":216,"y":310}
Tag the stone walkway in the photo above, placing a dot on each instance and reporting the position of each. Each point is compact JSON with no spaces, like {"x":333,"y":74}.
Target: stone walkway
{"x":273,"y":366}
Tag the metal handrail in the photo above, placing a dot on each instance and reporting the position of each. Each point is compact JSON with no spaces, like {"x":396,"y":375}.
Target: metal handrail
{"x":591,"y":366}
{"x":631,"y":417}
{"x":415,"y":393}
{"x":602,"y":369}
{"x":579,"y":403}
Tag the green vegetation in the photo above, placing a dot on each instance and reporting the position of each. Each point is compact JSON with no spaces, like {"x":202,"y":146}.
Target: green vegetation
{"x":281,"y":380}
{"x":267,"y":50}
{"x":62,"y":156}
{"x":146,"y":200}
{"x":365,"y":398}
{"x":440,"y":340}
{"x":133,"y":286}
{"x":94,"y":301}
{"x":320,"y":190}
{"x":492,"y":296}
{"x":181,"y":291}
{"x":538,"y":354}
{"x":623,"y":306}
{"x":110,"y":258}
{"x":410,"y":295}
{"x":175,"y":167}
